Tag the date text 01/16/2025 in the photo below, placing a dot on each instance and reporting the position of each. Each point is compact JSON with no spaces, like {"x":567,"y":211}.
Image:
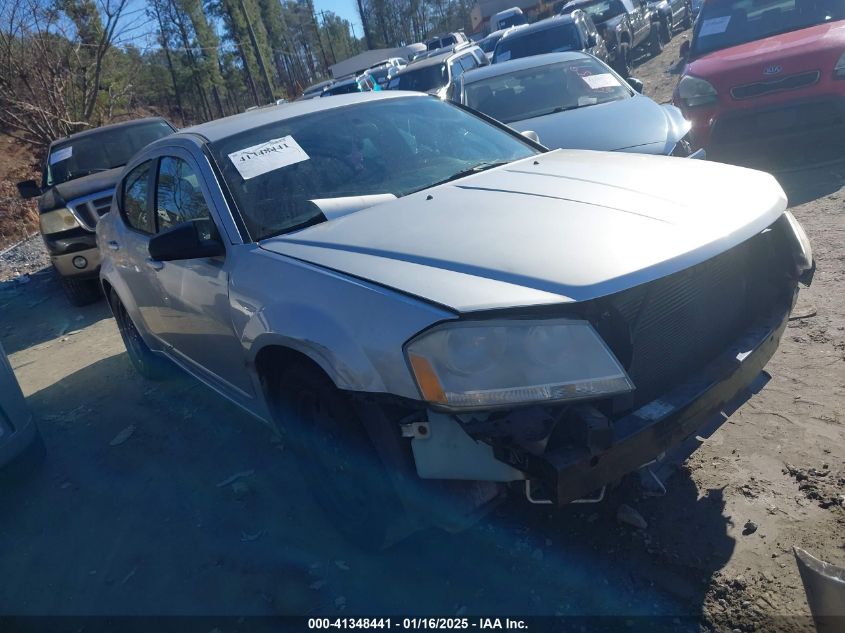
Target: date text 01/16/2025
{"x":435,"y":624}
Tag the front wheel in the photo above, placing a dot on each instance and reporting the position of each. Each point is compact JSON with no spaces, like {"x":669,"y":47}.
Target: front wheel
{"x":623,"y":60}
{"x":687,"y":23}
{"x":666,"y":30}
{"x":655,"y":41}
{"x":80,"y":292}
{"x":339,"y":462}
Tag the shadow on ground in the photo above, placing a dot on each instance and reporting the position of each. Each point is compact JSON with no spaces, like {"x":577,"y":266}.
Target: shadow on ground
{"x":201,"y":511}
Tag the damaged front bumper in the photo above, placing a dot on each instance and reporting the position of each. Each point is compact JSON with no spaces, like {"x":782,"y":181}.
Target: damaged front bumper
{"x":445,"y":447}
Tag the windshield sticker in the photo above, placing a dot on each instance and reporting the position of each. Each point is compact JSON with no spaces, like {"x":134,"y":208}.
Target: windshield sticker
{"x":62,"y":154}
{"x":260,"y":159}
{"x":503,"y":56}
{"x":604,"y":80}
{"x":714,"y":26}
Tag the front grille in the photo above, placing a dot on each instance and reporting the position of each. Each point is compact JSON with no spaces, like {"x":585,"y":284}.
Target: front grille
{"x":676,"y":325}
{"x":91,"y":208}
{"x":761,"y":88}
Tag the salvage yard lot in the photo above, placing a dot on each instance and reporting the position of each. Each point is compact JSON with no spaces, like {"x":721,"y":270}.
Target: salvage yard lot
{"x":164,"y":498}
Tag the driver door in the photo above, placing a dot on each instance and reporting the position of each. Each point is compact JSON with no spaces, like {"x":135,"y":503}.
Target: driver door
{"x":193,"y":316}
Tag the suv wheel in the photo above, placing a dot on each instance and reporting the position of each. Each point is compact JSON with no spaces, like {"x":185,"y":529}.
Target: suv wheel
{"x":146,"y":362}
{"x":655,"y":41}
{"x":81,"y":292}
{"x":687,"y":23}
{"x":337,"y":457}
{"x":666,"y":30}
{"x":623,"y":60}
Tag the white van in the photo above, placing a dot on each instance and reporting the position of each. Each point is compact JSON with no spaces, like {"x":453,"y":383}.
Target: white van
{"x":507,"y":18}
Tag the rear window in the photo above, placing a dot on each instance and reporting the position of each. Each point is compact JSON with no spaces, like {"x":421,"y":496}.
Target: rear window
{"x":425,"y":79}
{"x":563,"y":37}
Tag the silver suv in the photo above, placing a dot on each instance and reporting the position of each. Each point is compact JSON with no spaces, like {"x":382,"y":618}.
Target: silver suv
{"x":415,"y":294}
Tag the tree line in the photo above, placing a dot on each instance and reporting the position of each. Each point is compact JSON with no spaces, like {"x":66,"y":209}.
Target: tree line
{"x":66,"y":65}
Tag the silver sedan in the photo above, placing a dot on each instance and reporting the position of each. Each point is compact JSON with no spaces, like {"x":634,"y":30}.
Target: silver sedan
{"x":575,"y":101}
{"x":415,"y":294}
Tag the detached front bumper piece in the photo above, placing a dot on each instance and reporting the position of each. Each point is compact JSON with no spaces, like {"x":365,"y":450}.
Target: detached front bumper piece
{"x":575,"y":472}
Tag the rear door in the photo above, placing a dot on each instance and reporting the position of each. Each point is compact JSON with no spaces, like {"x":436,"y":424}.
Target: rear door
{"x":193,"y":315}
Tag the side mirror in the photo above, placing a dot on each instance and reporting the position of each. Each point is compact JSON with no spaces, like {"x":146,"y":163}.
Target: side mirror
{"x":29,"y":189}
{"x":184,"y":241}
{"x":531,"y":135}
{"x":685,"y":46}
{"x":635,"y":83}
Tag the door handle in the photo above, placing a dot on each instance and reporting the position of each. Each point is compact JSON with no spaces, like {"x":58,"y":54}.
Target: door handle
{"x":155,"y":265}
{"x":114,"y":245}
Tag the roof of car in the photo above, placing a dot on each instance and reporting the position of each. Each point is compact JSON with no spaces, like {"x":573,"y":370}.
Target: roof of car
{"x":227,"y":126}
{"x":427,"y":61}
{"x":542,"y":25}
{"x":521,"y":63}
{"x":113,"y":126}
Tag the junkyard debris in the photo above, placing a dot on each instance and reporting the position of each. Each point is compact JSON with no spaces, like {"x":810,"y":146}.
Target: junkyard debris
{"x":749,"y":528}
{"x":627,"y":514}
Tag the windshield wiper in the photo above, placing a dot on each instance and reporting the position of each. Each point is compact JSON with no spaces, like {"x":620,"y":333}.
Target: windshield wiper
{"x":469,"y":171}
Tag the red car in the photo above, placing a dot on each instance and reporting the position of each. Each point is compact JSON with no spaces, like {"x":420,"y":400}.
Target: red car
{"x":762,"y":71}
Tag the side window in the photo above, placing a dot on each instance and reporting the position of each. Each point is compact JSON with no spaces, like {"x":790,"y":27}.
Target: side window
{"x":179,"y":197}
{"x":135,"y":203}
{"x":455,"y":69}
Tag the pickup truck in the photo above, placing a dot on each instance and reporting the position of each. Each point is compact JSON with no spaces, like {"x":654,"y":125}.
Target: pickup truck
{"x":77,"y":183}
{"x":625,"y":25}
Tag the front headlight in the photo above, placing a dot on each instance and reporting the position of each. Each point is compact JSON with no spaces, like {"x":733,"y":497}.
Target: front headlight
{"x":57,"y":221}
{"x":496,"y":363}
{"x":694,"y":91}
{"x":804,"y":253}
{"x":839,"y":69}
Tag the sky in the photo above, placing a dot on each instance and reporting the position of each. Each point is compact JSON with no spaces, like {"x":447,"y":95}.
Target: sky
{"x":346,"y":9}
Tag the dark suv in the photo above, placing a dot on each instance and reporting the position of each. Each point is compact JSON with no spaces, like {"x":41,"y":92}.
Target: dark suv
{"x":77,"y":183}
{"x":573,"y":32}
{"x":625,"y":26}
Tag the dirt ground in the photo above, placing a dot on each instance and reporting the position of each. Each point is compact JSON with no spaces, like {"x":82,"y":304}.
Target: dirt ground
{"x":163,"y":498}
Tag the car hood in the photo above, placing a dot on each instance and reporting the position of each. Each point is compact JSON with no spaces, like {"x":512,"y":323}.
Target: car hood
{"x":636,"y":124}
{"x":814,"y":48}
{"x":61,"y":194}
{"x":564,"y":226}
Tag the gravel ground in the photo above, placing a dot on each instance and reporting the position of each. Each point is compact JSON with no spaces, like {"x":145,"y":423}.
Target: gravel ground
{"x":131,"y":463}
{"x":23,"y":258}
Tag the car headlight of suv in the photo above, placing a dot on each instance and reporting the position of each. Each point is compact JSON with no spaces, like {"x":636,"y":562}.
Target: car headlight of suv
{"x":839,"y":69}
{"x":695,"y":91}
{"x":57,"y":221}
{"x":472,"y":365}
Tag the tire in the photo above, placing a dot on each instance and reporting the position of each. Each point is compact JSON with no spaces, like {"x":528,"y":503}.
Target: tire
{"x":146,"y":362}
{"x":623,"y":60}
{"x":81,"y":292}
{"x":655,"y":46}
{"x":337,"y":457}
{"x":687,"y":23}
{"x":666,"y":30}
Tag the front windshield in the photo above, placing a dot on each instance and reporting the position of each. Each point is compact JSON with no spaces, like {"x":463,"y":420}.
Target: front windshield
{"x":599,"y":10}
{"x":380,"y":74}
{"x":342,"y":89}
{"x":545,"y":90}
{"x":423,"y":79}
{"x":392,"y":146}
{"x":99,"y":151}
{"x":563,"y":37}
{"x":733,"y":22}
